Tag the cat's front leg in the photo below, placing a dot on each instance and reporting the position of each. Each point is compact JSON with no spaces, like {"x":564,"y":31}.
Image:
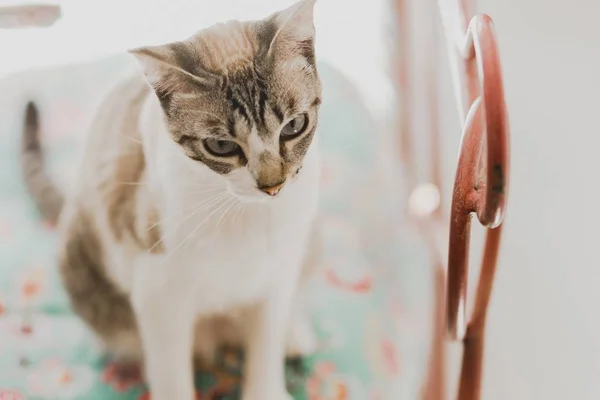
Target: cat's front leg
{"x":266,"y":343}
{"x":264,"y":369}
{"x":163,"y":306}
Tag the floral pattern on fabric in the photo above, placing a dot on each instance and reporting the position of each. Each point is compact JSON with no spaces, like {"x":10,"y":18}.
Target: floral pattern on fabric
{"x":369,"y":303}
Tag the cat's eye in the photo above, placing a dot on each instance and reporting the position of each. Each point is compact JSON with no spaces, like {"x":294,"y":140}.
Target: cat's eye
{"x":295,"y":127}
{"x":221,"y":148}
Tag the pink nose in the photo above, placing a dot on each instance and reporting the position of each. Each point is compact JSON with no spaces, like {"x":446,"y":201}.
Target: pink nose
{"x":272,"y":190}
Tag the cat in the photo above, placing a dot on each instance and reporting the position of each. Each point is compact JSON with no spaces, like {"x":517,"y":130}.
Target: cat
{"x":192,"y":220}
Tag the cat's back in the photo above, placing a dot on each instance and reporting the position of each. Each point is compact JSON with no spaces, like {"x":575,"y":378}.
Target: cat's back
{"x":109,"y":184}
{"x":113,"y":135}
{"x":106,"y":207}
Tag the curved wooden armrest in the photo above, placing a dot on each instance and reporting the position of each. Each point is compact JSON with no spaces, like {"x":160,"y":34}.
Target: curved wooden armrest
{"x":481,"y":180}
{"x":480,"y":187}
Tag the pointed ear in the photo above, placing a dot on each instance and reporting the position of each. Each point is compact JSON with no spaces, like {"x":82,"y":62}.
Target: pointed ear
{"x":156,"y":62}
{"x":295,"y":26}
{"x":162,"y":66}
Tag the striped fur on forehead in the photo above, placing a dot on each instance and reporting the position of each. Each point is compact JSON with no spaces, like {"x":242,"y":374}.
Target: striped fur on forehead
{"x":250,"y":97}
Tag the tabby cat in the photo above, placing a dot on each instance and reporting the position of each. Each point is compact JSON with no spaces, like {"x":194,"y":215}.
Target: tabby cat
{"x":191,"y":223}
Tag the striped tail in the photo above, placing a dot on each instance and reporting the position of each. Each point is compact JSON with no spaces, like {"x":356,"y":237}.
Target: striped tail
{"x":42,"y":189}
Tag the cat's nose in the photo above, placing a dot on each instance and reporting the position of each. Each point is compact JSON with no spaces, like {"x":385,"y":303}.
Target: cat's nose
{"x":272,"y":190}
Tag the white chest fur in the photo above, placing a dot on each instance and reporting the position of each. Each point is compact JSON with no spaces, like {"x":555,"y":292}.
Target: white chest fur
{"x":225,"y":252}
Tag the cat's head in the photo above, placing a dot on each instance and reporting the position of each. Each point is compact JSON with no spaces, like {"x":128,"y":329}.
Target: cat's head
{"x":242,"y":98}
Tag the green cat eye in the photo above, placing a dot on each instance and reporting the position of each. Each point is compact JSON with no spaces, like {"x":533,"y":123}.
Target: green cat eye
{"x":221,"y":148}
{"x":295,"y":127}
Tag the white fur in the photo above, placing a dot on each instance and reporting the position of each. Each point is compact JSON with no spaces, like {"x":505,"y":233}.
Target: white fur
{"x":218,"y":260}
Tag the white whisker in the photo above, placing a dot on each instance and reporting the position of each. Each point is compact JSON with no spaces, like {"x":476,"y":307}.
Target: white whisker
{"x":221,"y":220}
{"x":191,"y":189}
{"x":193,"y":232}
{"x":132,"y":183}
{"x":238,"y":211}
{"x":131,"y":138}
{"x":197,"y":207}
{"x":215,"y":201}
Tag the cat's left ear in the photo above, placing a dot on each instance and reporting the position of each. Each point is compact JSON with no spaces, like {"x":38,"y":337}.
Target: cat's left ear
{"x":295,"y":26}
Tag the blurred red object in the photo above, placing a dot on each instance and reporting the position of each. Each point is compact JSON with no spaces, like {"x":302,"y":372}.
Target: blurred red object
{"x":27,"y":15}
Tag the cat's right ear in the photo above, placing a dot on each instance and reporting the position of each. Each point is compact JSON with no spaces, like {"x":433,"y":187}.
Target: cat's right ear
{"x":156,"y":62}
{"x":161,"y":66}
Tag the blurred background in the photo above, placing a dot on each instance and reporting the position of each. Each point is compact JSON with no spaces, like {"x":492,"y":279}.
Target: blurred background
{"x":544,"y":328}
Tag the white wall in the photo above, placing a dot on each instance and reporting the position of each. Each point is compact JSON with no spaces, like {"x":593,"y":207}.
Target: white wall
{"x":93,"y":28}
